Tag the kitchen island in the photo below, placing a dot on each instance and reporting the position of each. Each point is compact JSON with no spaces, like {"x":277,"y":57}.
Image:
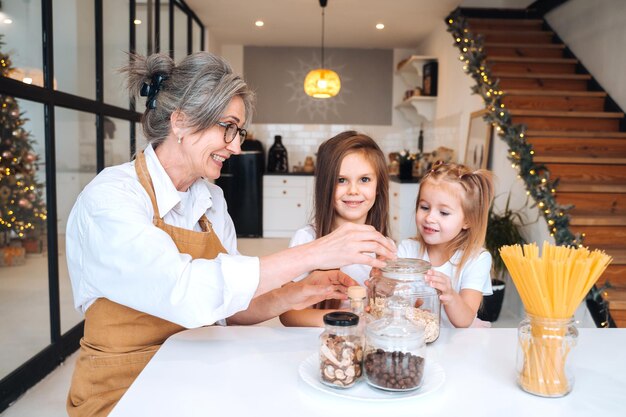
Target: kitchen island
{"x":254,"y":371}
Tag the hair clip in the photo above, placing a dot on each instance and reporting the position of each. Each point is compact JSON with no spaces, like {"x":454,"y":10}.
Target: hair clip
{"x":151,"y":90}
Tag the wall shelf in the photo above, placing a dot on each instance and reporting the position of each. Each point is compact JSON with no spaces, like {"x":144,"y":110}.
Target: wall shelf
{"x":418,"y":108}
{"x":411,"y":70}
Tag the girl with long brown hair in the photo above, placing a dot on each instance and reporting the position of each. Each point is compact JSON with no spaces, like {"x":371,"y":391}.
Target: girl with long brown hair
{"x":351,"y":186}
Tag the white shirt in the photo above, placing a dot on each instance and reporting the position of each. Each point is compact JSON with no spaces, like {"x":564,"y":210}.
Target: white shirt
{"x":475,"y":275}
{"x":115,"y":251}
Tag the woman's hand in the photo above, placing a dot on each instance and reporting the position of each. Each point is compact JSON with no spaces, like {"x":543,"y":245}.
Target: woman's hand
{"x":351,"y":244}
{"x":317,"y":287}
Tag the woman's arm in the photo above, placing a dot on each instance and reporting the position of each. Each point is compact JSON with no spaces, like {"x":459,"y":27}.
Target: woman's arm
{"x":295,"y":296}
{"x":348,"y":244}
{"x":309,"y":317}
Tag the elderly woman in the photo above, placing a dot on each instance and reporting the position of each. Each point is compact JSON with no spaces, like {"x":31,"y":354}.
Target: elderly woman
{"x":151,"y":249}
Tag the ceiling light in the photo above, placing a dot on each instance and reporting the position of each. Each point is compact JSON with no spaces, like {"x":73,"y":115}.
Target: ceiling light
{"x":259,"y":23}
{"x":8,"y":21}
{"x":380,"y":26}
{"x":137,"y":21}
{"x":322,"y":82}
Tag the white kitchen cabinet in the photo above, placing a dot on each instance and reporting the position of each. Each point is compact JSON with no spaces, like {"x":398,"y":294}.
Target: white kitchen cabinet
{"x":416,"y":108}
{"x":402,"y":198}
{"x":287,"y":204}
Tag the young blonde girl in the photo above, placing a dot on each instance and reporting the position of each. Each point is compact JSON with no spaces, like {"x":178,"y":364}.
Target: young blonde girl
{"x":351,"y":185}
{"x":451,"y":216}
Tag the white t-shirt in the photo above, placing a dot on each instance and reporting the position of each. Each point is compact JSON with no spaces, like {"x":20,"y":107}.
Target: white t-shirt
{"x":475,"y":275}
{"x":358,"y":272}
{"x":115,"y":251}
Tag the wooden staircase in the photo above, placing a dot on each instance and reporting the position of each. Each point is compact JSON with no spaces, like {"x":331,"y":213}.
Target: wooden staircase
{"x":575,"y":132}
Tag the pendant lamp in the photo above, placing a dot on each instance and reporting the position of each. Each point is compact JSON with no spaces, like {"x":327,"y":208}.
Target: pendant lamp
{"x":322,"y":82}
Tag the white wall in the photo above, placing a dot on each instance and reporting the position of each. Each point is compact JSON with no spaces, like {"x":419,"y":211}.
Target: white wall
{"x":595,"y":32}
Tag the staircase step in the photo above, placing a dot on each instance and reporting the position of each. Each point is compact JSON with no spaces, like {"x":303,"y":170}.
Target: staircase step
{"x":593,"y":203}
{"x":616,"y":298}
{"x":568,"y":120}
{"x":555,"y":100}
{"x":617,"y":252}
{"x":578,"y":160}
{"x":507,"y":24}
{"x":594,"y":150}
{"x":601,"y":235}
{"x":593,"y":187}
{"x":619,"y":317}
{"x":590,"y":175}
{"x":520,"y":80}
{"x":579,"y":134}
{"x":533,"y":65}
{"x":615,"y":274}
{"x":548,"y":50}
{"x":525,"y":36}
{"x":594,"y":219}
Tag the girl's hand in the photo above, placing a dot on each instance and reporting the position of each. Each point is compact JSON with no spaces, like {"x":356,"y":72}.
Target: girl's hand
{"x":442,"y":283}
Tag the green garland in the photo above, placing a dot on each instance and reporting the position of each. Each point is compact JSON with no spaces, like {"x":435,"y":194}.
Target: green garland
{"x":536,"y":177}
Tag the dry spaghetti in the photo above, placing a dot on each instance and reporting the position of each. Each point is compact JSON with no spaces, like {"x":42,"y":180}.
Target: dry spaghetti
{"x":551,"y":287}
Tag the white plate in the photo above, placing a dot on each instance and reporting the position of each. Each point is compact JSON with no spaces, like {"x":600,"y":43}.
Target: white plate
{"x":434,"y":377}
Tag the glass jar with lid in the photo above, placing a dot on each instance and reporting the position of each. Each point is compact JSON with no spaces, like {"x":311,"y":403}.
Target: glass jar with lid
{"x":395,"y":352}
{"x":404,"y":278}
{"x":341,"y":350}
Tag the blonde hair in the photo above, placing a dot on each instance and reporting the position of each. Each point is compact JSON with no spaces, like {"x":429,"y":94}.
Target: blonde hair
{"x":478,"y":192}
{"x":200,"y":86}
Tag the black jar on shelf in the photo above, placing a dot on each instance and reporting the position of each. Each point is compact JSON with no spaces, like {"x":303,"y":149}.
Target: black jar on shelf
{"x":277,"y":156}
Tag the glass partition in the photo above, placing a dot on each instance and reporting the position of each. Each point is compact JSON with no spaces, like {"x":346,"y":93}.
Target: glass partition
{"x":196,"y":36}
{"x":20,"y":26}
{"x":116,"y":141}
{"x":75,"y":167}
{"x":24,"y":299}
{"x":115,"y":16}
{"x":74,"y":52}
{"x":180,"y":34}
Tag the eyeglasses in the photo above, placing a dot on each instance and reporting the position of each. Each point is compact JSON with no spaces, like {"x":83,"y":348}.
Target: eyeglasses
{"x":231,"y":130}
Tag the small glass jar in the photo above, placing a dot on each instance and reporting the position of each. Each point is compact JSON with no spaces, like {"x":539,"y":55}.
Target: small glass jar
{"x":395,"y":352}
{"x":341,"y":350}
{"x":404,"y":278}
{"x":544,"y":355}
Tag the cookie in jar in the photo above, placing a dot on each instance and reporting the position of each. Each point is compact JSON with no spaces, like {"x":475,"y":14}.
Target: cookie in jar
{"x":341,"y":350}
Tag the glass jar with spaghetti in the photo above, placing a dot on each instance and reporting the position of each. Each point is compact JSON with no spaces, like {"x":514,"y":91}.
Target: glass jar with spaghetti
{"x":544,"y":355}
{"x":404,"y":278}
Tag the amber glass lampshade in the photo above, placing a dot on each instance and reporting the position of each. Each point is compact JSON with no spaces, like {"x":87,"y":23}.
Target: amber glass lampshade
{"x":322,"y":83}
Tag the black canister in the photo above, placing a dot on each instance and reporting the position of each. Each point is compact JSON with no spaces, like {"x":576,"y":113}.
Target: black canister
{"x":277,"y":156}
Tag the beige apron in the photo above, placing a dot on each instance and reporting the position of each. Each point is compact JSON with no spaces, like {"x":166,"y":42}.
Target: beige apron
{"x":118,"y":341}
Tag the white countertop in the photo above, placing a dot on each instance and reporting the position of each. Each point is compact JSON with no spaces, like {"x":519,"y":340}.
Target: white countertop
{"x":253,"y":371}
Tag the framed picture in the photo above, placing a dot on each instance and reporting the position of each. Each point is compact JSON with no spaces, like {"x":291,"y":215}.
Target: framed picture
{"x":478,"y":141}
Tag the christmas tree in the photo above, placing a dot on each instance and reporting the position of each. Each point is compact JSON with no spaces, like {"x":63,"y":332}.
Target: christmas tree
{"x":22,"y":209}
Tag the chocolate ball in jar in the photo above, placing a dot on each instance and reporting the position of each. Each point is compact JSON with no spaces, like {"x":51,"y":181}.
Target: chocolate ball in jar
{"x":341,"y":350}
{"x":395,"y":352}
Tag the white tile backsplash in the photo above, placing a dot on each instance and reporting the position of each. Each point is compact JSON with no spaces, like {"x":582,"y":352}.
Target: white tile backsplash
{"x":302,"y":140}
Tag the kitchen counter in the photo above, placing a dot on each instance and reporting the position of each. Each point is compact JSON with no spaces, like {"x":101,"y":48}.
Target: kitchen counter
{"x":246,"y":371}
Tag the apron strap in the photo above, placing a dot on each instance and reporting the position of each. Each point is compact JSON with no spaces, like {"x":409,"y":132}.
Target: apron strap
{"x":146,"y":182}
